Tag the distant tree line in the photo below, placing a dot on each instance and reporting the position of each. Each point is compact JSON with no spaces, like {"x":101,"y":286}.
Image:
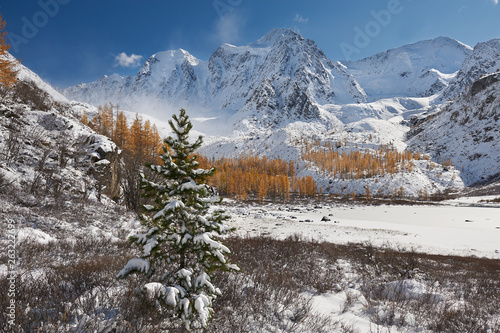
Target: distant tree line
{"x":356,"y":163}
{"x":258,"y":177}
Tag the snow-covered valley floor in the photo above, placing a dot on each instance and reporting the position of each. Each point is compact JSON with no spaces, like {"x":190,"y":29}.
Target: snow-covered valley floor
{"x":463,"y":227}
{"x":287,"y":284}
{"x":459,"y":227}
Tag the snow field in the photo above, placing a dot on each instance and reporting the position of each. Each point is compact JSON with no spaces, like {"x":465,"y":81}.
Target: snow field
{"x":436,"y":229}
{"x":458,"y":227}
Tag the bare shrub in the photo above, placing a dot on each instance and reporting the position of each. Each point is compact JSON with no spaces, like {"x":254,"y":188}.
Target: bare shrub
{"x":71,"y":286}
{"x":13,"y":143}
{"x":386,"y":263}
{"x":461,"y":318}
{"x":249,"y":303}
{"x":350,"y":299}
{"x":298,"y":263}
{"x":445,"y":282}
{"x":63,"y":148}
{"x":26,"y":92}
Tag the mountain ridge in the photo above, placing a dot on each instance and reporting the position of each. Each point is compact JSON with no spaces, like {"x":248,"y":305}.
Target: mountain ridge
{"x":466,"y":131}
{"x":483,"y":60}
{"x":217,"y":82}
{"x":419,"y":69}
{"x":250,"y":59}
{"x":266,"y":97}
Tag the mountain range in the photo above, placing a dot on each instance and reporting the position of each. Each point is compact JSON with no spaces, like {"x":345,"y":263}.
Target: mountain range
{"x":279,"y":73}
{"x":263,"y":98}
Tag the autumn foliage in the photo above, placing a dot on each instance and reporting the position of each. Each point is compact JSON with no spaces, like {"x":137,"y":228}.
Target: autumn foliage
{"x":258,"y":177}
{"x":244,"y":178}
{"x":356,"y":164}
{"x":140,"y":141}
{"x":7,"y":67}
{"x":252,"y":177}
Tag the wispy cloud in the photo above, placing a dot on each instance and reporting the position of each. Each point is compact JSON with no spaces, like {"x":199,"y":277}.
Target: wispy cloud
{"x":228,"y":28}
{"x":300,"y":19}
{"x":494,"y":1}
{"x":129,"y":61}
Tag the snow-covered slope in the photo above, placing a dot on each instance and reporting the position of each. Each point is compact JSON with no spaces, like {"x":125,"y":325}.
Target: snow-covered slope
{"x":279,"y":79}
{"x":45,"y":150}
{"x":467,"y":131}
{"x":165,"y":78}
{"x":415,"y":70}
{"x":485,"y":59}
{"x":25,"y":74}
{"x":40,"y":150}
{"x":104,"y":90}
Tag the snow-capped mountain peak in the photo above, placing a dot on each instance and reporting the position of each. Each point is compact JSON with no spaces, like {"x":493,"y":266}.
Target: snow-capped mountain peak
{"x":484,"y":59}
{"x":415,"y":70}
{"x":232,"y":78}
{"x":161,"y":65}
{"x":171,"y":57}
{"x":271,"y":37}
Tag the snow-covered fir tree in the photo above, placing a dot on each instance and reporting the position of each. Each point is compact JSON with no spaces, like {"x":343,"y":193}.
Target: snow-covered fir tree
{"x":181,"y":248}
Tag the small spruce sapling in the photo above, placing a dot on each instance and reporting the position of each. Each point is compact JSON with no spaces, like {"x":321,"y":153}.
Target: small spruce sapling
{"x":180,"y":247}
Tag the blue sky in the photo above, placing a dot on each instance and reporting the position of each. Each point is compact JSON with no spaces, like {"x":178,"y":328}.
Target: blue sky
{"x":71,"y":41}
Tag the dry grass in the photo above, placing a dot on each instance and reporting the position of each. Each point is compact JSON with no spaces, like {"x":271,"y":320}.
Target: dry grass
{"x":71,"y":286}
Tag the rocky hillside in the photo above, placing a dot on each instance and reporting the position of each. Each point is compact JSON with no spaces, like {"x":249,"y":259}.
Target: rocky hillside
{"x":485,"y":59}
{"x":467,"y":131}
{"x":46,"y":152}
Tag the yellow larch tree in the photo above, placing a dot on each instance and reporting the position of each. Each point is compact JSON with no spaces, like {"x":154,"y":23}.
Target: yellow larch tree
{"x":84,"y":119}
{"x":121,"y":131}
{"x":156,"y":148}
{"x":8,"y":72}
{"x":147,"y":140}
{"x":107,"y":120}
{"x":96,"y":122}
{"x":136,"y":142}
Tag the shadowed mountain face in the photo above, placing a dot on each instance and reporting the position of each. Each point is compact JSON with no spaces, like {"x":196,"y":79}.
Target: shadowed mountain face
{"x":467,"y":131}
{"x":485,"y":59}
